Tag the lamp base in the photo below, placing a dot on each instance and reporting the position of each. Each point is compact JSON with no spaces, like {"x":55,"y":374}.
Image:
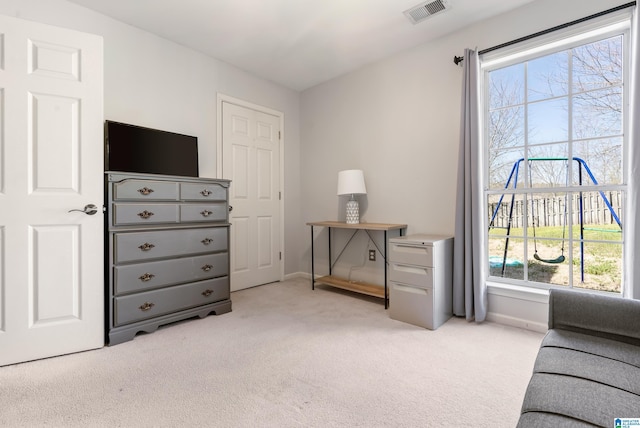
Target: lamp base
{"x":353,"y":211}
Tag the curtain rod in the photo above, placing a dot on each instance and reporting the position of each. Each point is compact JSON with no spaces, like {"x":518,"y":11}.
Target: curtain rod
{"x":458,"y":59}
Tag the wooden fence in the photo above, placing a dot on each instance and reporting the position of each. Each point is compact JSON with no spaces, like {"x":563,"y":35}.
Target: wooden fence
{"x":550,"y":211}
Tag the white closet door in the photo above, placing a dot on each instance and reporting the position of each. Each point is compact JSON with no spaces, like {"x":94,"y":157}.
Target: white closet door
{"x":51,"y":161}
{"x":251,"y":160}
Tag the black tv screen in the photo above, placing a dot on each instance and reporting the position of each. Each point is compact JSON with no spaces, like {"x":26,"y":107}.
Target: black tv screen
{"x":131,"y":148}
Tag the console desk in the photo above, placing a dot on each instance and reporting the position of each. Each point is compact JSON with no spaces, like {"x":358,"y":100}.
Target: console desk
{"x":356,"y":286}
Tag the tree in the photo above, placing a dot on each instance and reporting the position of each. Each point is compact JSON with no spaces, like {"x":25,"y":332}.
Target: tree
{"x":594,"y":74}
{"x":506,"y":127}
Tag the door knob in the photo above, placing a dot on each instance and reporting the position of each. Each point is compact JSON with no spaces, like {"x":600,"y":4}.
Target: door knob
{"x":89,"y":209}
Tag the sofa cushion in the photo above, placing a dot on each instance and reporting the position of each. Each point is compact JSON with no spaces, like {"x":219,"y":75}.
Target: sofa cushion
{"x":582,"y":379}
{"x":578,"y":364}
{"x":577,"y":399}
{"x":603,"y":347}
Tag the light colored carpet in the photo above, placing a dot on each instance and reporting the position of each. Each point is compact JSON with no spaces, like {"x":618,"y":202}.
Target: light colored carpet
{"x":286,"y":356}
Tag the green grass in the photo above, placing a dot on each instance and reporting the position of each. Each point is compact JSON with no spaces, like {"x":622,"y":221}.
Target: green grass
{"x":602,"y":257}
{"x":601,"y":267}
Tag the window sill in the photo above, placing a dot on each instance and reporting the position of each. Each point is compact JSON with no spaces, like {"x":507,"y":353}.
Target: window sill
{"x":519,"y":292}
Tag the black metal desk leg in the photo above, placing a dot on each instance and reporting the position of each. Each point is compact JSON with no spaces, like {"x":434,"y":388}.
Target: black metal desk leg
{"x":313,"y":278}
{"x":386,"y":291}
{"x":329,"y":233}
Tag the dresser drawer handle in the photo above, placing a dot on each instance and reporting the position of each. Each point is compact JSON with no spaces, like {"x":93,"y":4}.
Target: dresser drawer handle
{"x":205,"y":192}
{"x":145,"y":214}
{"x":146,"y":246}
{"x":146,"y":306}
{"x":207,"y":293}
{"x":146,"y":277}
{"x":206,"y":268}
{"x":145,"y":191}
{"x":206,"y":213}
{"x":207,"y":241}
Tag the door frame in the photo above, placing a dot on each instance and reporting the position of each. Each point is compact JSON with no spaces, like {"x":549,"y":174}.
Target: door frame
{"x":221,"y":98}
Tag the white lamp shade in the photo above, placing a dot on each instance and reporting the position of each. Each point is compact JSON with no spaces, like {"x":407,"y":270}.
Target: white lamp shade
{"x":351,"y":182}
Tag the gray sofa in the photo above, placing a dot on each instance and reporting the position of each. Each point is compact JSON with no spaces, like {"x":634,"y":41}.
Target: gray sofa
{"x":587,"y":372}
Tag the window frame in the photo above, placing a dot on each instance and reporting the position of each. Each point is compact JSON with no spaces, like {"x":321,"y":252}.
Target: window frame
{"x":615,"y":24}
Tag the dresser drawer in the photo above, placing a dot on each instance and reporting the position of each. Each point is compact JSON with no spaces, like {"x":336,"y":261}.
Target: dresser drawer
{"x":149,"y":304}
{"x":417,"y":276}
{"x":133,"y":246}
{"x":202,"y":192}
{"x":149,"y":190}
{"x":201,"y":212}
{"x":124,"y":214}
{"x":149,"y":275}
{"x":411,"y":254}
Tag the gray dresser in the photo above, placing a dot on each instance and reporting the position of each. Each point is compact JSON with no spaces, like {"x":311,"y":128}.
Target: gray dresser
{"x":167,"y":251}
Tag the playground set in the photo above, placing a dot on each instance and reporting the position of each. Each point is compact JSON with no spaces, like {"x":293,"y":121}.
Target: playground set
{"x":513,"y":180}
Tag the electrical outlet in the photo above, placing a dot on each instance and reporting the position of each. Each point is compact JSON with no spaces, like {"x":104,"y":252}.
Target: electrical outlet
{"x":372,"y":255}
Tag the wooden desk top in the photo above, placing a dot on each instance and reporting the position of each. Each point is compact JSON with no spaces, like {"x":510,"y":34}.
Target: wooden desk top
{"x":367,"y":226}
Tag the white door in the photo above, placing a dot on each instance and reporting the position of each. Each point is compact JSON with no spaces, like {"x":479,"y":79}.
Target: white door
{"x":51,"y":145}
{"x":251,"y":160}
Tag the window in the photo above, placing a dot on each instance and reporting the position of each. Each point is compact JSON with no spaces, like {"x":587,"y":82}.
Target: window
{"x":555,"y":143}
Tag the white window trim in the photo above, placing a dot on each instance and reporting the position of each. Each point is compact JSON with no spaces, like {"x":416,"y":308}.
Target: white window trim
{"x":579,"y":34}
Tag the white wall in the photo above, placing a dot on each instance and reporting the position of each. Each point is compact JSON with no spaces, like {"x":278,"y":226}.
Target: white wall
{"x":152,"y":82}
{"x":398,"y":120}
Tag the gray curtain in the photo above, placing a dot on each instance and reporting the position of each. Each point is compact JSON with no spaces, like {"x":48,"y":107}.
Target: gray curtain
{"x":469,"y":288}
{"x":632,"y":250}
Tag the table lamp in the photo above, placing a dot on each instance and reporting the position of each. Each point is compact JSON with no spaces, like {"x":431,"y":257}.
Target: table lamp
{"x":351,"y":182}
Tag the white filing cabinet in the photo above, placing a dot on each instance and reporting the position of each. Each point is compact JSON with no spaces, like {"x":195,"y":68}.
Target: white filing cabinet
{"x":420,"y":279}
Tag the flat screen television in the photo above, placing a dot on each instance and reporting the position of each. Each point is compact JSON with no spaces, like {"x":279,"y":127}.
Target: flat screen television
{"x":131,"y":148}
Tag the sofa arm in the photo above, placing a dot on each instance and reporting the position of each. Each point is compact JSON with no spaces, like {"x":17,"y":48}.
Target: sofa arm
{"x":596,"y":314}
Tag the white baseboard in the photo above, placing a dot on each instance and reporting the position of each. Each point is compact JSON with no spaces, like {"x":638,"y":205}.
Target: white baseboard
{"x":527,"y":324}
{"x":517,"y":322}
{"x":297,"y":275}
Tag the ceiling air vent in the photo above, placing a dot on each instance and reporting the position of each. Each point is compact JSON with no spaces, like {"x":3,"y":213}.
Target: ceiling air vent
{"x":424,"y":10}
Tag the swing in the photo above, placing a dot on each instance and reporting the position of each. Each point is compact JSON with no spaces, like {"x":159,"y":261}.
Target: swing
{"x":561,"y":257}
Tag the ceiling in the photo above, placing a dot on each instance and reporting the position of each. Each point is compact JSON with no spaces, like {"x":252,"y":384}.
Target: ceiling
{"x":296,"y":43}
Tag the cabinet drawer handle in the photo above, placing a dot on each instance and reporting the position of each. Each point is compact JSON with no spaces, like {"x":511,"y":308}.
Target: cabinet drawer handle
{"x":146,"y":246}
{"x":206,"y":268}
{"x":145,"y":191}
{"x":207,"y":241}
{"x":205,"y":192}
{"x":207,"y":293}
{"x":146,"y":277}
{"x":206,"y":213}
{"x":146,"y":306}
{"x":145,"y":214}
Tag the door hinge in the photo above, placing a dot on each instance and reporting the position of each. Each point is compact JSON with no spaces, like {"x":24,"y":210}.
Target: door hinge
{"x":279,"y":196}
{"x":280,"y":255}
{"x":279,"y":135}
